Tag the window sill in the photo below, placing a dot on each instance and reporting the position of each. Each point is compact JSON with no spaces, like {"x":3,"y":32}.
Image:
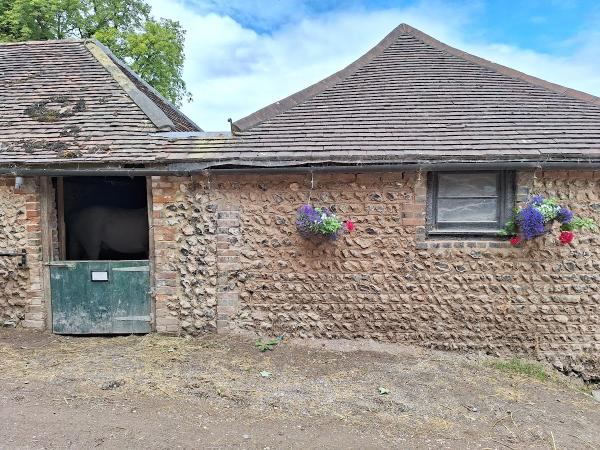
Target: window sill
{"x":470,"y":234}
{"x":463,"y":239}
{"x":466,"y":244}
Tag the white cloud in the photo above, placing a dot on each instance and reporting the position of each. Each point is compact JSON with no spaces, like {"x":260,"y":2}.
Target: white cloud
{"x":233,"y":71}
{"x":580,"y":70}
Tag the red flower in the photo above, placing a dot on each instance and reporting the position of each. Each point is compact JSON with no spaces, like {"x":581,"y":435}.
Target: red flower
{"x":349,"y":225}
{"x":515,"y":240}
{"x":566,"y":237}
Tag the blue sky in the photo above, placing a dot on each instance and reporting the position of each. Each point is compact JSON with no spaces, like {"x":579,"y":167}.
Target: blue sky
{"x":244,"y":54}
{"x":536,"y":24}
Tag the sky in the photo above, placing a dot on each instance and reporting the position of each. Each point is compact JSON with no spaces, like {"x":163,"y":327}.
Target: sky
{"x":242,"y":55}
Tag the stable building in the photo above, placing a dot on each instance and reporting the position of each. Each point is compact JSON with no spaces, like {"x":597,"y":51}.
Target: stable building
{"x":132,"y":219}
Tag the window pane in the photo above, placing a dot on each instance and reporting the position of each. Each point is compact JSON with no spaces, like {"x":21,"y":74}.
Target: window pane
{"x":467,"y":184}
{"x":467,"y":210}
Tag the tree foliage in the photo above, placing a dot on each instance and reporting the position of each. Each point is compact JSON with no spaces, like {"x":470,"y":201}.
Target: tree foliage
{"x":152,"y":47}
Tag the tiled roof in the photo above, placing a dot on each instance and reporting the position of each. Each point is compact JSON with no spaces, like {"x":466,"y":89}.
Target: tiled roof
{"x":412,"y":98}
{"x":180,"y":121}
{"x":71,"y":101}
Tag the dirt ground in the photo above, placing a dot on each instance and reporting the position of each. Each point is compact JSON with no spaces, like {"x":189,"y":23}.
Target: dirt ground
{"x":166,"y":392}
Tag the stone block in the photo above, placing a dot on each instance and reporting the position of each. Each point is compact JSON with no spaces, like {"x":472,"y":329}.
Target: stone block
{"x":33,"y":323}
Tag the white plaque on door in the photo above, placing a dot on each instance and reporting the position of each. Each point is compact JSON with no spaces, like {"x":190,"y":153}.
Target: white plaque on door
{"x":99,"y":275}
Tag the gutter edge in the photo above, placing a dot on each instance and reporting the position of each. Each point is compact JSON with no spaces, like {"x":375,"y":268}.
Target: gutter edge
{"x":186,"y":169}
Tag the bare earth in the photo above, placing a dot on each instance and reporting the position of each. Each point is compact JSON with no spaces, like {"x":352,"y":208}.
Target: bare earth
{"x":165,"y":392}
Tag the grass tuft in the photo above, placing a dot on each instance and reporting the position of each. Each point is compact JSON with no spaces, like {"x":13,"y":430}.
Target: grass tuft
{"x":518,"y":366}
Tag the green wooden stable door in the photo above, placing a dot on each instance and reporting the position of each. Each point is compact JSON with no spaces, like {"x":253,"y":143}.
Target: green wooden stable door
{"x":100,"y":297}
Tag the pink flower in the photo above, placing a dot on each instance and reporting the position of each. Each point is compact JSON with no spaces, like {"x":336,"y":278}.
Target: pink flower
{"x":515,"y":240}
{"x":349,"y":225}
{"x":566,"y":237}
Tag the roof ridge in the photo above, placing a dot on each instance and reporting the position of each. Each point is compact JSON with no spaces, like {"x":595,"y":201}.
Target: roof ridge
{"x":290,"y":101}
{"x":125,"y":67}
{"x":103,"y":55}
{"x":47,"y":41}
{"x":504,"y":70}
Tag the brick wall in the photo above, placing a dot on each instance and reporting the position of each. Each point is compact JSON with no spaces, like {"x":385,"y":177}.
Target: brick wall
{"x":166,"y":277}
{"x":228,"y":264}
{"x":21,"y":300}
{"x":232,"y":257}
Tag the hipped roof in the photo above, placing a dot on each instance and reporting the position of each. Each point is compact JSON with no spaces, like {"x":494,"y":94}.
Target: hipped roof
{"x":410,"y":100}
{"x":414,"y":98}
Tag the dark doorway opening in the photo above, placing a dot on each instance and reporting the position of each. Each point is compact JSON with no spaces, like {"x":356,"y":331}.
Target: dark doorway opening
{"x":105,"y":218}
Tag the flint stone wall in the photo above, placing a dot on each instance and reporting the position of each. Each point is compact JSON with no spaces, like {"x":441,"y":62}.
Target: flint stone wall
{"x":20,"y":287}
{"x":236,"y":261}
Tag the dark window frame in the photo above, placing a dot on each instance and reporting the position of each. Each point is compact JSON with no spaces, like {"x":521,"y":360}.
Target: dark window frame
{"x":506,"y":202}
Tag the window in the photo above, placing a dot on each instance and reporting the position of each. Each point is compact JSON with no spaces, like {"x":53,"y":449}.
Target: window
{"x":469,"y":203}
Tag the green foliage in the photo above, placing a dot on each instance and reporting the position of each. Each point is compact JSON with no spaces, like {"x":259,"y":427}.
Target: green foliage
{"x":516,"y":366}
{"x":153,"y":48}
{"x":267,"y":345}
{"x":511,"y":227}
{"x":330,"y":225}
{"x":580,"y":223}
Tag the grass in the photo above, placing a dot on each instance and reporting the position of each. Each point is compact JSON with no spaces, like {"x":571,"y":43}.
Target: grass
{"x":587,"y":388}
{"x":518,"y":366}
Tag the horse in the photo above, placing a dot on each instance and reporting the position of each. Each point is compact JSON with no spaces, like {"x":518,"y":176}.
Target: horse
{"x":97,"y":228}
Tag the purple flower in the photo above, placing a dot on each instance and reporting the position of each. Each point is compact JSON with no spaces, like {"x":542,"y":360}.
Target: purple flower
{"x":307,"y":218}
{"x":311,"y":221}
{"x":531,"y":222}
{"x":564,"y":215}
{"x":536,"y":200}
{"x":305,"y":209}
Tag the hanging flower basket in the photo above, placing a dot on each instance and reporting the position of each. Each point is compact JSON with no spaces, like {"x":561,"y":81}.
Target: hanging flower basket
{"x":321,"y":222}
{"x":537,"y":217}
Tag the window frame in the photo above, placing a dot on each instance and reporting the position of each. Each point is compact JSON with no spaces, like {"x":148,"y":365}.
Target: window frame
{"x":506,"y":202}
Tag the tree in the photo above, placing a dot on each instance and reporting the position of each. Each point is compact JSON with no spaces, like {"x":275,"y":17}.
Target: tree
{"x":153,"y":48}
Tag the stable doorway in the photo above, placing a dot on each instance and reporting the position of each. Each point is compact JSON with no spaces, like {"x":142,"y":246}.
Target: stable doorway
{"x":101,"y":285}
